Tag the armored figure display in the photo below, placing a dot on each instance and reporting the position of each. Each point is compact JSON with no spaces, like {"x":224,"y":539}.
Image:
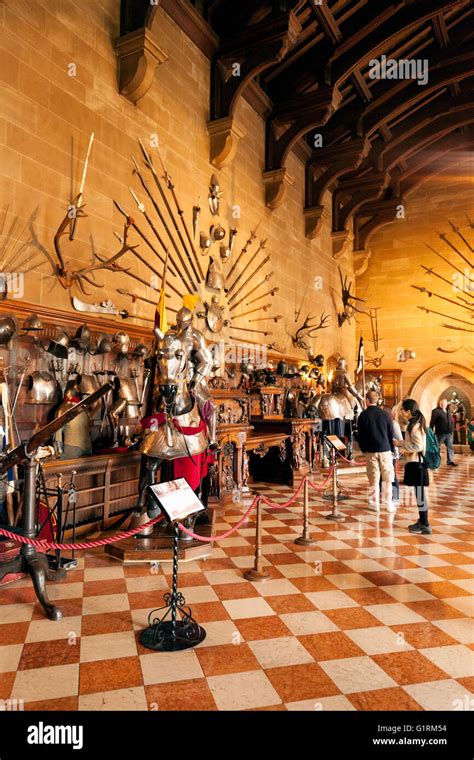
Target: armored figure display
{"x":201,"y":363}
{"x":341,"y":383}
{"x":74,"y":438}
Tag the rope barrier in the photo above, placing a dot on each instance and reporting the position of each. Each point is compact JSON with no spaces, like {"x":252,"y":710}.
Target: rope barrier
{"x":210,"y":539}
{"x":43,"y":544}
{"x":352,"y":462}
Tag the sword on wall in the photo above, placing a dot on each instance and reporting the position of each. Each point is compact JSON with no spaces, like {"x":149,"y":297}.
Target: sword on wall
{"x":81,"y":188}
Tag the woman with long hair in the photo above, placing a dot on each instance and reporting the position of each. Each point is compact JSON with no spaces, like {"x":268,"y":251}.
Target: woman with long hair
{"x":414,"y":447}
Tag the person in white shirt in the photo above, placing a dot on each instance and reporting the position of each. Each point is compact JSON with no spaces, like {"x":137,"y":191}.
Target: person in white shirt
{"x":414,"y":447}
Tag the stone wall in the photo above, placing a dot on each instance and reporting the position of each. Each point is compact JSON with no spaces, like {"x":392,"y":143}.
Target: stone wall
{"x":46,"y":117}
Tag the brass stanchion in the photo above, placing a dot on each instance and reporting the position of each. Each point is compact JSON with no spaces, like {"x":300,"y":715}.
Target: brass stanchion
{"x":335,"y":514}
{"x":257,"y":573}
{"x":305,"y":538}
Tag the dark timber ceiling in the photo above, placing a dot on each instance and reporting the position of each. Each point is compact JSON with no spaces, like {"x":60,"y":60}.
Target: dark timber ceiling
{"x":309,"y":62}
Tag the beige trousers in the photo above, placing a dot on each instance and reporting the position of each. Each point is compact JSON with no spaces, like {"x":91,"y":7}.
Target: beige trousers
{"x":380,"y":467}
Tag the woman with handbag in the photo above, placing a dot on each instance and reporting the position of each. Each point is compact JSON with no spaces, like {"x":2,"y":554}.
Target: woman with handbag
{"x":416,"y":471}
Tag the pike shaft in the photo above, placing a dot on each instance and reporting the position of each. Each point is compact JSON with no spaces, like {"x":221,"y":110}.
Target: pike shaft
{"x":237,"y":303}
{"x":242,"y":252}
{"x":264,"y":295}
{"x":249,"y":278}
{"x":234,"y":284}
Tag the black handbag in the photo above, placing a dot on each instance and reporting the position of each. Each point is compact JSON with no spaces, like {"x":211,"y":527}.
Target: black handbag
{"x":416,"y":473}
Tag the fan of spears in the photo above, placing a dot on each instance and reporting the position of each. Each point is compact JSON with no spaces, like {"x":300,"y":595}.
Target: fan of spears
{"x":461,"y":285}
{"x":168,"y":252}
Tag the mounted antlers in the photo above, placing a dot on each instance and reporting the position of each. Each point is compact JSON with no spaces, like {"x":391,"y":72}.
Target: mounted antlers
{"x":68,"y":277}
{"x":307,"y":330}
{"x":347,"y":297}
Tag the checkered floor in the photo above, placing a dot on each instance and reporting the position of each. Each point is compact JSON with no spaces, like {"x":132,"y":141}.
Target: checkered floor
{"x":370,"y":618}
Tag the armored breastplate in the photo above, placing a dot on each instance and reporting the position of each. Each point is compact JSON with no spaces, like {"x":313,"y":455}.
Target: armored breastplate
{"x":166,"y":441}
{"x":41,"y":388}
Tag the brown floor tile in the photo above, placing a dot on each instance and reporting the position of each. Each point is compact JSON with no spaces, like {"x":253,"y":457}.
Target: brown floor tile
{"x":279,"y":531}
{"x":227,"y":658}
{"x":343,"y":554}
{"x":62,"y":704}
{"x":44,"y":654}
{"x":101,"y":588}
{"x":383,"y":699}
{"x":235,"y":590}
{"x":396,"y":563}
{"x":6,"y":684}
{"x":409,"y":667}
{"x":181,"y":695}
{"x":107,"y":675}
{"x":332,"y":568}
{"x":13,"y":633}
{"x":352,"y":617}
{"x":461,"y":546}
{"x":187,"y":579}
{"x":370,"y":595}
{"x":295,"y":683}
{"x":424,"y":635}
{"x":113,"y":622}
{"x":330,"y":646}
{"x":434,"y":609}
{"x":74,"y":576}
{"x":217,"y":564}
{"x":12,"y":594}
{"x":267,"y":540}
{"x":467,"y":682}
{"x":140,"y":600}
{"x":313,"y":583}
{"x":259,"y":628}
{"x":139,"y":570}
{"x":291,"y":603}
{"x":456,"y":558}
{"x":408,"y":550}
{"x":443,"y":589}
{"x":204,"y":612}
{"x":239,"y":551}
{"x":270,"y":708}
{"x":69,"y":608}
{"x":284,"y":559}
{"x":451,"y":573}
{"x":384,"y":578}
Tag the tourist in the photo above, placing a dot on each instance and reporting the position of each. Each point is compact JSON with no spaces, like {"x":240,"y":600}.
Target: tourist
{"x":414,"y":447}
{"x":442,"y":424}
{"x":374,"y":436}
{"x":470,"y":434}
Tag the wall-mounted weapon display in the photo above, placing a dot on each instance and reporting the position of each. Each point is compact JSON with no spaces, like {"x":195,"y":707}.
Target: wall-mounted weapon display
{"x":348,"y":299}
{"x":78,"y":200}
{"x":105,"y":307}
{"x":307,"y":331}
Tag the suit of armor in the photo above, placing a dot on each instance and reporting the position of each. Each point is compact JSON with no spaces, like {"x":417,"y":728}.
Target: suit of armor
{"x":200,"y":363}
{"x":341,"y":383}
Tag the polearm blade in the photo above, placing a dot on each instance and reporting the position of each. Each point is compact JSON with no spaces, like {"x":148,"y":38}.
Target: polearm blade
{"x":142,"y":209}
{"x":444,"y":279}
{"x":448,"y":316}
{"x":259,"y":266}
{"x":265,"y":307}
{"x":436,"y":295}
{"x":248,"y":329}
{"x":453,"y":327}
{"x":461,"y":236}
{"x":195,"y":265}
{"x":262,"y":282}
{"x":244,"y":250}
{"x":244,"y":270}
{"x":124,"y":292}
{"x":143,"y":236}
{"x":262,"y":319}
{"x":447,"y":261}
{"x":264,"y":295}
{"x":190,"y":282}
{"x":81,"y":188}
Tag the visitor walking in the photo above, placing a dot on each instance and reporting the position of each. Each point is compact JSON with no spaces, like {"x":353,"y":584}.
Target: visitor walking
{"x":442,"y":424}
{"x":375,"y":435}
{"x":416,"y":472}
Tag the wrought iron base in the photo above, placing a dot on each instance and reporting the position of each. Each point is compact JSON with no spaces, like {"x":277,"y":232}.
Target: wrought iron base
{"x":171,"y":635}
{"x":256,"y":575}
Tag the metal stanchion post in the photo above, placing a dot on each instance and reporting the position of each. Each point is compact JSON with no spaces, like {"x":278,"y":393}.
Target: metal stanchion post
{"x":257,"y":573}
{"x":305,"y":539}
{"x":335,"y":514}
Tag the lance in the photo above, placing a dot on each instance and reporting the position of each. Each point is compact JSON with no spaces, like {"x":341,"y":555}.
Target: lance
{"x":453,"y":327}
{"x":134,"y":298}
{"x":121,"y":269}
{"x":449,"y":300}
{"x":149,"y":164}
{"x":461,"y":236}
{"x":252,"y":311}
{"x":444,"y":279}
{"x":81,"y":188}
{"x":265,"y":279}
{"x":447,"y":261}
{"x":165,"y":225}
{"x":170,"y":187}
{"x":137,"y":229}
{"x":260,"y":319}
{"x":248,"y":329}
{"x":259,"y":266}
{"x":239,"y":277}
{"x":244,"y":250}
{"x":457,"y":231}
{"x":142,"y":209}
{"x":264,"y":295}
{"x":448,"y":316}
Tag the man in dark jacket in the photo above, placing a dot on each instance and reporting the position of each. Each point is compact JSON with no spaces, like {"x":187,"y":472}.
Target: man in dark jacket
{"x":375,"y":436}
{"x":442,"y":425}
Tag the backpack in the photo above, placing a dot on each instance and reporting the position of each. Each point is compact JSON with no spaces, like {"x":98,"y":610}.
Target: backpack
{"x":433,"y":453}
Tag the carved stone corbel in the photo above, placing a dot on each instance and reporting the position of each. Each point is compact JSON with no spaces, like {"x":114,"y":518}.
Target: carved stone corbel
{"x":224,"y":135}
{"x":314,"y":216}
{"x":138,"y":56}
{"x":361,"y":262}
{"x":276,"y":183}
{"x":341,"y":243}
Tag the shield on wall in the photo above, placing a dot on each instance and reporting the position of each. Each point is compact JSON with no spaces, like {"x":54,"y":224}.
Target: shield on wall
{"x":214,"y":318}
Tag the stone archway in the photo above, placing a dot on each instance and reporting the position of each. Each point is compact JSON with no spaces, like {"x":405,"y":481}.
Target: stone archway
{"x":428,"y":387}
